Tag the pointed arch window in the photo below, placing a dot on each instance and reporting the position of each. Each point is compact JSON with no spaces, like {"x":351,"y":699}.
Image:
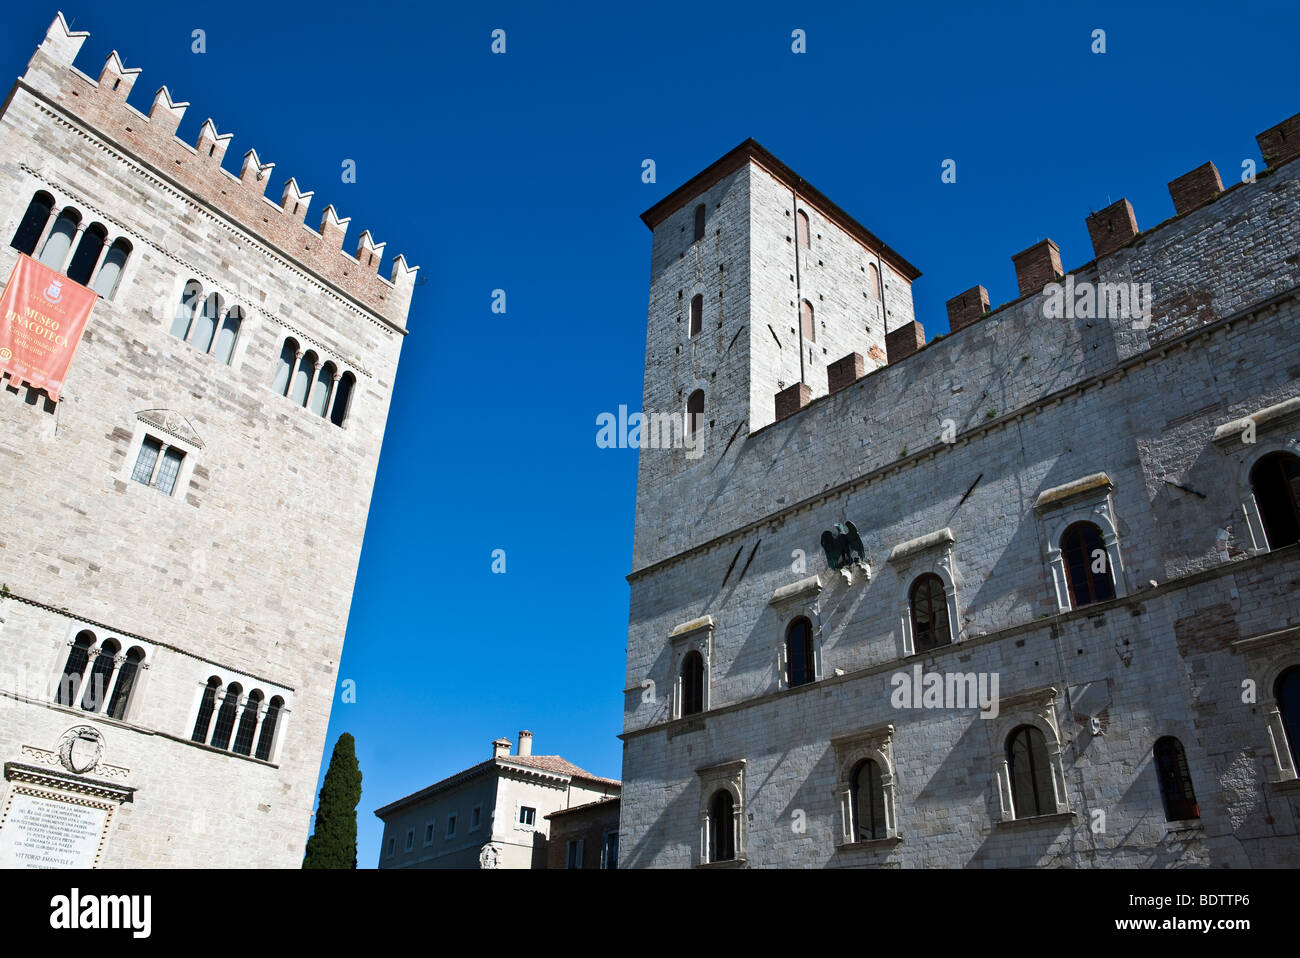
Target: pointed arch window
{"x":1087,"y":565}
{"x":59,"y":243}
{"x":247,"y":724}
{"x":806,"y":322}
{"x":126,"y":680}
{"x":722,"y":827}
{"x":1275,"y":481}
{"x":224,"y":349}
{"x":799,"y":660}
{"x":692,"y":683}
{"x":267,"y":739}
{"x":697,"y":314}
{"x":873,"y":280}
{"x":929,"y":606}
{"x":101,"y":674}
{"x":86,"y":257}
{"x":801,"y":229}
{"x":1032,"y":792}
{"x":226,"y":716}
{"x":207,"y":705}
{"x":33,"y":223}
{"x":74,"y":668}
{"x":1175,"y":780}
{"x":699,"y":222}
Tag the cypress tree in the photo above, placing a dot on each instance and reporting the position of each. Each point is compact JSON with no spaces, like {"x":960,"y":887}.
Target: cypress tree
{"x":333,"y":843}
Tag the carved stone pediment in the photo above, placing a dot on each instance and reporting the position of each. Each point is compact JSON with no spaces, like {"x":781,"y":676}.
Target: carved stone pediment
{"x":173,"y":423}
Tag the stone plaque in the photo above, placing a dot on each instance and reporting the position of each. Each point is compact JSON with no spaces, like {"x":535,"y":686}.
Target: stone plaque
{"x":44,"y":830}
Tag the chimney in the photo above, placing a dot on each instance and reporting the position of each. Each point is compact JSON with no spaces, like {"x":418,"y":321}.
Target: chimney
{"x":525,"y":742}
{"x":1195,"y":188}
{"x":1037,"y":266}
{"x":968,"y":307}
{"x":501,"y":748}
{"x":1111,"y":228}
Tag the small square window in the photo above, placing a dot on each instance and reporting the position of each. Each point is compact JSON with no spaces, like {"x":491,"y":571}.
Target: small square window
{"x":527,"y":816}
{"x":451,"y":825}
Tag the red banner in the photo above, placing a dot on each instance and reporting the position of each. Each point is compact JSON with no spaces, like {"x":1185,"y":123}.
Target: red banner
{"x":42,"y":317}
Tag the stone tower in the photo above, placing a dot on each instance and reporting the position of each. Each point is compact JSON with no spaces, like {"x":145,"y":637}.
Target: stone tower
{"x":178,"y":574}
{"x":759,"y":285}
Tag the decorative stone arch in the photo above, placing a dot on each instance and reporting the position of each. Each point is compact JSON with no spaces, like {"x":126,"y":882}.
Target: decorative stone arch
{"x":931,"y":553}
{"x":1035,"y":708}
{"x":1268,"y":656}
{"x":1083,"y":500}
{"x":1258,"y":538}
{"x":728,"y":776}
{"x":875,"y":743}
{"x":693,"y":636}
{"x":799,"y":600}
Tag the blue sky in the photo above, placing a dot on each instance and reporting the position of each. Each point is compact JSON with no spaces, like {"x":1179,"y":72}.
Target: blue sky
{"x":522,"y":172}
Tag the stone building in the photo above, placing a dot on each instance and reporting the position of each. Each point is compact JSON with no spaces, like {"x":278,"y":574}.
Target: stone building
{"x":180,"y":532}
{"x":495,"y":814}
{"x":585,"y":836}
{"x":1023,"y":595}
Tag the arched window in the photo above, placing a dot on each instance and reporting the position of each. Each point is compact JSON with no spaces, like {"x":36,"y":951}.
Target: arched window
{"x":806,"y":322}
{"x":205,"y":324}
{"x":1275,"y":480}
{"x":1087,"y":566}
{"x":873,"y":280}
{"x":284,"y":367}
{"x":55,"y":251}
{"x":32,"y":225}
{"x":320,"y":392}
{"x":694,"y":412}
{"x":697,"y":314}
{"x":247,"y":724}
{"x":126,"y":677}
{"x":302,"y":378}
{"x":722,"y":827}
{"x":699,"y":222}
{"x":229,"y":334}
{"x":1287,"y":693}
{"x":110,"y":273}
{"x":801,"y":229}
{"x":190,"y":299}
{"x":101,"y":673}
{"x":868,"y":802}
{"x":226,"y":716}
{"x":799,"y":653}
{"x":74,"y":669}
{"x":342,"y":399}
{"x":1175,"y":780}
{"x":929,"y":604}
{"x":87,"y":254}
{"x":1031,"y":773}
{"x":207,"y":705}
{"x":692,"y":683}
{"x":267,"y":738}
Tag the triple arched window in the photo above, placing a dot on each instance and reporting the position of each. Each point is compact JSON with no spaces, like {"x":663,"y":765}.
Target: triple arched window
{"x":1275,"y":482}
{"x":1087,"y":565}
{"x":318,"y":386}
{"x":207,"y":323}
{"x":244,"y":725}
{"x":98,"y":677}
{"x":60,"y":237}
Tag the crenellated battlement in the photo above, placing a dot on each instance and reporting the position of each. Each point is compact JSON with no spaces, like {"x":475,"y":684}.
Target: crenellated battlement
{"x":101,"y":104}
